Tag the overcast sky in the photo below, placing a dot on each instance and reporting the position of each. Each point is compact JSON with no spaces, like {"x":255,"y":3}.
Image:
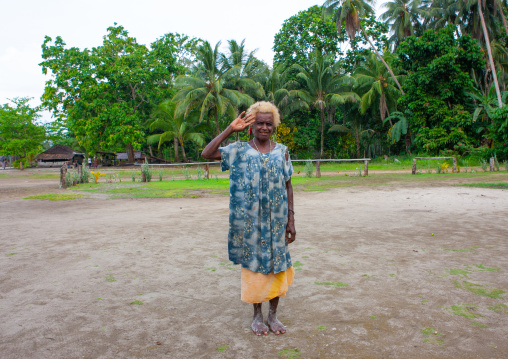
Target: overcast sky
{"x":24,"y":23}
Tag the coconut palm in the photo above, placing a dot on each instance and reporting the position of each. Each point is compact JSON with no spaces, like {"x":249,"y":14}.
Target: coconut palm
{"x":251,"y":72}
{"x":374,"y":84}
{"x":207,"y":91}
{"x":402,"y":16}
{"x":320,"y":86}
{"x":175,"y":128}
{"x":351,"y":12}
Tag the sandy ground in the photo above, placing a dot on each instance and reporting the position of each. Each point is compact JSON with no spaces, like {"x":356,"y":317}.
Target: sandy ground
{"x":92,"y":278}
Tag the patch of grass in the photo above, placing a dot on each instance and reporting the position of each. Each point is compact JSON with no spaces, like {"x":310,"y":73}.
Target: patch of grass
{"x":498,"y":308}
{"x":290,"y":353}
{"x":136,"y":302}
{"x":432,"y":336}
{"x":465,"y":310}
{"x":211,"y":269}
{"x":56,"y":196}
{"x":483,"y":268}
{"x":392,"y":275}
{"x":478,"y":324}
{"x":457,"y":271}
{"x":480,"y":290}
{"x":322,"y":327}
{"x":373,"y":317}
{"x":222,"y":349}
{"x":10,"y":254}
{"x":297,"y":264}
{"x":461,"y":250}
{"x":335,"y":284}
{"x":496,"y":185}
{"x":110,"y":278}
{"x":305,"y":257}
{"x":424,"y":301}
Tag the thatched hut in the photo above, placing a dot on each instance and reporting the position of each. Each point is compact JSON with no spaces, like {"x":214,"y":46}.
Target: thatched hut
{"x":58,"y":155}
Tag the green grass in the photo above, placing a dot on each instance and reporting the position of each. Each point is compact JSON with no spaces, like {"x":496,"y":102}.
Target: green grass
{"x":497,"y":185}
{"x":498,"y":308}
{"x":290,"y":353}
{"x":136,"y":302}
{"x":322,"y":327}
{"x":478,"y":324}
{"x":465,"y":310}
{"x":457,"y":271}
{"x":432,"y":336}
{"x":461,"y":250}
{"x":480,"y":290}
{"x":10,"y":254}
{"x":56,"y":196}
{"x":110,"y":278}
{"x":335,"y":284}
{"x":481,"y":267}
{"x":222,"y":349}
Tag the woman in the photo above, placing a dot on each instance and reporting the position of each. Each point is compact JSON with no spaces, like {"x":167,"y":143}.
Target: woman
{"x":261,"y":216}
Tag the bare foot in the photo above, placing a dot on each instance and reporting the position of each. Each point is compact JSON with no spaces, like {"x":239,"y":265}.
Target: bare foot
{"x":275,"y":326}
{"x":258,"y":327}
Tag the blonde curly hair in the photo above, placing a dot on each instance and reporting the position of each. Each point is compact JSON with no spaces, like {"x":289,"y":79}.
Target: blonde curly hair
{"x":265,"y":106}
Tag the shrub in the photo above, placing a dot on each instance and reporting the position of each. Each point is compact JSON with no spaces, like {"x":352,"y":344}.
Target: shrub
{"x":16,"y":163}
{"x":146,"y":171}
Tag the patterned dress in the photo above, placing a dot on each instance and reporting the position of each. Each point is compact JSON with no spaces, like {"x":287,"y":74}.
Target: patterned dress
{"x":258,"y":206}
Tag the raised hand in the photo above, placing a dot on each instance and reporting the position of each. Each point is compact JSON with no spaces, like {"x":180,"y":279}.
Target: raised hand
{"x":241,"y":123}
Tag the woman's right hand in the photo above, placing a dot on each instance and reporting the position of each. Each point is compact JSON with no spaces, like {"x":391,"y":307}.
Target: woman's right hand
{"x":241,"y":123}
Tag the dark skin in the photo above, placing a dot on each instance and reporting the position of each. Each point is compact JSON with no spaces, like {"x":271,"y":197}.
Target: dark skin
{"x":262,"y":127}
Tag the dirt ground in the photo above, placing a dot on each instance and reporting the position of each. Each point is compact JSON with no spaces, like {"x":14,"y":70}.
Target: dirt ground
{"x":382,"y":272}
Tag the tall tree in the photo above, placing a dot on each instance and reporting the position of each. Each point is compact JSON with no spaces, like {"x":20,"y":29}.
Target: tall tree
{"x":175,"y":128}
{"x":376,"y":87}
{"x":403,"y":16}
{"x":205,"y":90}
{"x":319,"y":86}
{"x":20,"y":134}
{"x":105,"y":94}
{"x":351,"y":12}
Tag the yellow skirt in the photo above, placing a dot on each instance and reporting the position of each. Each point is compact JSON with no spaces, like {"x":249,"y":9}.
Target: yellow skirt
{"x":259,"y":287}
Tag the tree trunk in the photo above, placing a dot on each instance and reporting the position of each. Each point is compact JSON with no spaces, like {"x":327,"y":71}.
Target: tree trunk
{"x":130,"y":153}
{"x":357,"y":137}
{"x":322,"y":110}
{"x":175,"y":142}
{"x":489,"y":51}
{"x":502,"y":16}
{"x":183,"y":152}
{"x":382,"y":60}
{"x":408,"y":142}
{"x":217,"y":121}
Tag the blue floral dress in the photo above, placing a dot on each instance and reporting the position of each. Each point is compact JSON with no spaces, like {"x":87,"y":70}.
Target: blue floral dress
{"x":258,"y":206}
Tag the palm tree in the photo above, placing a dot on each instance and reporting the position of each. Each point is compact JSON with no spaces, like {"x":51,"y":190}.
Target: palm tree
{"x":319,"y":86}
{"x":251,"y":72}
{"x":175,"y":128}
{"x":402,"y":15}
{"x":350,"y":12}
{"x":378,"y":89}
{"x":206,"y":91}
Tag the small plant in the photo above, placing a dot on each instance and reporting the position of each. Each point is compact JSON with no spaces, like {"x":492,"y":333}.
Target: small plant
{"x":308,"y":169}
{"x":68,"y":180}
{"x":160,"y":176}
{"x":85,"y":174}
{"x":146,"y":171}
{"x":199,"y":173}
{"x":465,"y":164}
{"x":444,"y":166}
{"x":110,"y":278}
{"x":290,"y":353}
{"x":505,"y":165}
{"x":97,"y":175}
{"x":438,"y":169}
{"x":133,"y":176}
{"x":187,"y":174}
{"x":136,"y":302}
{"x":118,"y":178}
{"x":359,"y":171}
{"x":496,"y":162}
{"x":222,"y":349}
{"x":484,"y":164}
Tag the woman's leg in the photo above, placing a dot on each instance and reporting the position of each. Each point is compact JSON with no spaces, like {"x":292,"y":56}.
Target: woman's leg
{"x":258,"y":326}
{"x":273,"y":322}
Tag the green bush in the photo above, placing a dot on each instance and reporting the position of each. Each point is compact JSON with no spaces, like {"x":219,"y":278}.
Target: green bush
{"x":17,"y":162}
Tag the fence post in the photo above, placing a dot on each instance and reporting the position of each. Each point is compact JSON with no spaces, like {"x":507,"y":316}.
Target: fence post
{"x":318,"y":169}
{"x":207,"y":171}
{"x":63,"y":173}
{"x":454,"y":170}
{"x":492,"y":164}
{"x":413,"y":171}
{"x":366,"y":168}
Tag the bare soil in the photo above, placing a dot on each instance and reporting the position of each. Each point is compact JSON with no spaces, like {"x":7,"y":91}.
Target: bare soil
{"x":149,"y":278}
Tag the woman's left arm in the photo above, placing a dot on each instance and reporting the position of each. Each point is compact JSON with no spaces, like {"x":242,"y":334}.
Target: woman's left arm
{"x":290,"y":227}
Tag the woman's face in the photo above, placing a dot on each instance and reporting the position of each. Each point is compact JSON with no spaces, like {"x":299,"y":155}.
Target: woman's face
{"x":263,"y":126}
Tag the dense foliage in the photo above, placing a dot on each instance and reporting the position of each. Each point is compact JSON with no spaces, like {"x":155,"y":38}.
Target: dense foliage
{"x":428,"y":79}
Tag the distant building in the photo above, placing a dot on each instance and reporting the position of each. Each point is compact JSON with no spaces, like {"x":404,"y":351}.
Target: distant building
{"x":138,"y":157}
{"x":58,"y":155}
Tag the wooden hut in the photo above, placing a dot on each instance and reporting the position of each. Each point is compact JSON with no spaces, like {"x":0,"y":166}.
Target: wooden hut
{"x":58,"y":155}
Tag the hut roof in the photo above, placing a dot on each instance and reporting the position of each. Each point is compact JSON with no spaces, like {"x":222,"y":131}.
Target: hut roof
{"x":58,"y":152}
{"x":138,"y":155}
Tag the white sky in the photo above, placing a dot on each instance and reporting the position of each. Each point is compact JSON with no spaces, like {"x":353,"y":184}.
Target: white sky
{"x":24,"y":23}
